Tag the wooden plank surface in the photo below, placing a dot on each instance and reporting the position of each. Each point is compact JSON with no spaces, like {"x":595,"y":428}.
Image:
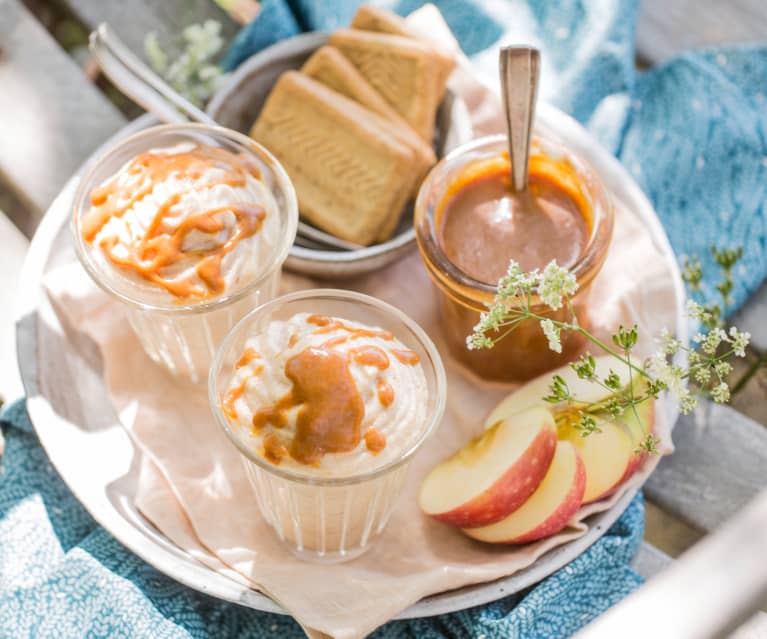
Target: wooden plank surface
{"x":754,"y":628}
{"x":51,"y":117}
{"x":649,"y":561}
{"x":753,"y":317}
{"x":133,"y":20}
{"x":669,"y":27}
{"x":718,"y":466}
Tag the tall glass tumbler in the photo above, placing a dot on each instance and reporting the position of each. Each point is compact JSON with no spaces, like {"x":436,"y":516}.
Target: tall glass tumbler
{"x":183,"y":335}
{"x":327,"y":518}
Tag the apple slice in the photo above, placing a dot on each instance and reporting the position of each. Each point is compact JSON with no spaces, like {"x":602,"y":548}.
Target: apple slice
{"x":532,"y":393}
{"x":549,"y":508}
{"x":494,"y":474}
{"x":609,"y":456}
{"x":638,"y":426}
{"x":606,"y":456}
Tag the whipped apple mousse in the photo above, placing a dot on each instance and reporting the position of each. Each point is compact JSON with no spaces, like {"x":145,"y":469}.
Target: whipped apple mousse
{"x":182,"y":224}
{"x":186,"y":225}
{"x":327,"y":397}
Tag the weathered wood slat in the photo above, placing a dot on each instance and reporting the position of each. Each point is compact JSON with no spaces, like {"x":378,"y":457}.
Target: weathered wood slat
{"x":649,"y":561}
{"x":753,"y":316}
{"x":51,"y":117}
{"x":754,"y":628}
{"x":708,"y":593}
{"x":14,"y":248}
{"x":718,"y":466}
{"x":133,"y":20}
{"x":667,"y":28}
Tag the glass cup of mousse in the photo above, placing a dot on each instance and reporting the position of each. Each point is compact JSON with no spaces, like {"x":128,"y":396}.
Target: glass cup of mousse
{"x":469,"y":224}
{"x":328,"y":395}
{"x":188,"y":226}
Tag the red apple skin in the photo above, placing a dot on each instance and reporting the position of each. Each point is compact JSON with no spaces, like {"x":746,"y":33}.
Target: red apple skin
{"x":509,"y":491}
{"x":559,"y":518}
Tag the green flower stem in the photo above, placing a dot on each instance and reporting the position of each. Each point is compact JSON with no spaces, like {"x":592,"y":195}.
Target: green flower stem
{"x":595,"y":340}
{"x":601,"y":406}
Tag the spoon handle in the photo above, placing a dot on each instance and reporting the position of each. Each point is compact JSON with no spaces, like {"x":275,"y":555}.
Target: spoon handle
{"x":520,"y":69}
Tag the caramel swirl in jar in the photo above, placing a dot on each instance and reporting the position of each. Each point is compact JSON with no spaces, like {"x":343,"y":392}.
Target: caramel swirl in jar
{"x":484,"y":223}
{"x":470,"y":224}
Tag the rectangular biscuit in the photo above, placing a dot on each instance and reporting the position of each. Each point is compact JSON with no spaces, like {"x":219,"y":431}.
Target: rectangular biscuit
{"x":370,"y":18}
{"x":351,"y":177}
{"x":404,"y":71}
{"x":329,"y":66}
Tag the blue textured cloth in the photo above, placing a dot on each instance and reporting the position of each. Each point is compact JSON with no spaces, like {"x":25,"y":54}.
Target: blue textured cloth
{"x":64,"y":576}
{"x":694,"y":134}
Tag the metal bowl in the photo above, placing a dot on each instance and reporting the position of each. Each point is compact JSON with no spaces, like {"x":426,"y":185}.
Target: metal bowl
{"x":237,"y":104}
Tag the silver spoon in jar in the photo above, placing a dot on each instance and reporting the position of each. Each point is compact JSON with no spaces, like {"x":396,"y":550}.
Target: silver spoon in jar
{"x":520,"y":71}
{"x":146,"y":88}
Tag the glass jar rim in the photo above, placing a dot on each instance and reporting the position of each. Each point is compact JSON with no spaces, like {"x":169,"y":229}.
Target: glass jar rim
{"x":424,"y":340}
{"x":601,"y":227}
{"x":246,"y":144}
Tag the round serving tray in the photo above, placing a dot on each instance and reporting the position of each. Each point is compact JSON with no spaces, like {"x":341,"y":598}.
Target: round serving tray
{"x":69,"y":407}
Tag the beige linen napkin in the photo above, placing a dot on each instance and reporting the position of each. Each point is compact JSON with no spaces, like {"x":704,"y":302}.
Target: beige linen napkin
{"x":193,"y":487}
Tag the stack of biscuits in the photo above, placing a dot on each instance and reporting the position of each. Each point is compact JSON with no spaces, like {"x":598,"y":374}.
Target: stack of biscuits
{"x":354,"y":127}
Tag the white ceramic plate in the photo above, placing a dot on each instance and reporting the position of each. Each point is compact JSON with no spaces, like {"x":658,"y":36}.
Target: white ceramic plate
{"x":74,"y":419}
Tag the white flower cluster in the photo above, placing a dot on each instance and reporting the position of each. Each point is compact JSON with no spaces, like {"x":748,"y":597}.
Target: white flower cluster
{"x":553,"y":286}
{"x":552,"y":334}
{"x":721,"y":393}
{"x":669,"y":344}
{"x":703,"y":362}
{"x":710,"y":342}
{"x":697,"y":312}
{"x":672,"y":377}
{"x":489,"y":321}
{"x":516,"y":282}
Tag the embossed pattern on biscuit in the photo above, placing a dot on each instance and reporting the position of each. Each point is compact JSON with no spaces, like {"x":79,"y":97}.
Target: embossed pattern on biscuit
{"x":330,"y":67}
{"x":398,"y":68}
{"x":350,"y":176}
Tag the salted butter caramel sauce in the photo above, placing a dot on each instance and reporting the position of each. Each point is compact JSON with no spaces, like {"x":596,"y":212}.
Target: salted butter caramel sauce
{"x":483,"y":223}
{"x":330,"y":407}
{"x":161,"y":247}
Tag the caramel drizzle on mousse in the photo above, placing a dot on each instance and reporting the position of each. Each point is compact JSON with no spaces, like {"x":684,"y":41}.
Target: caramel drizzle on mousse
{"x":161,"y":247}
{"x":227,"y":406}
{"x":331,"y":409}
{"x":248,"y":355}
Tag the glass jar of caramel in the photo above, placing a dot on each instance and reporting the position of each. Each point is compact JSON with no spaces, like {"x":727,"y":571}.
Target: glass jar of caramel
{"x":470,"y":223}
